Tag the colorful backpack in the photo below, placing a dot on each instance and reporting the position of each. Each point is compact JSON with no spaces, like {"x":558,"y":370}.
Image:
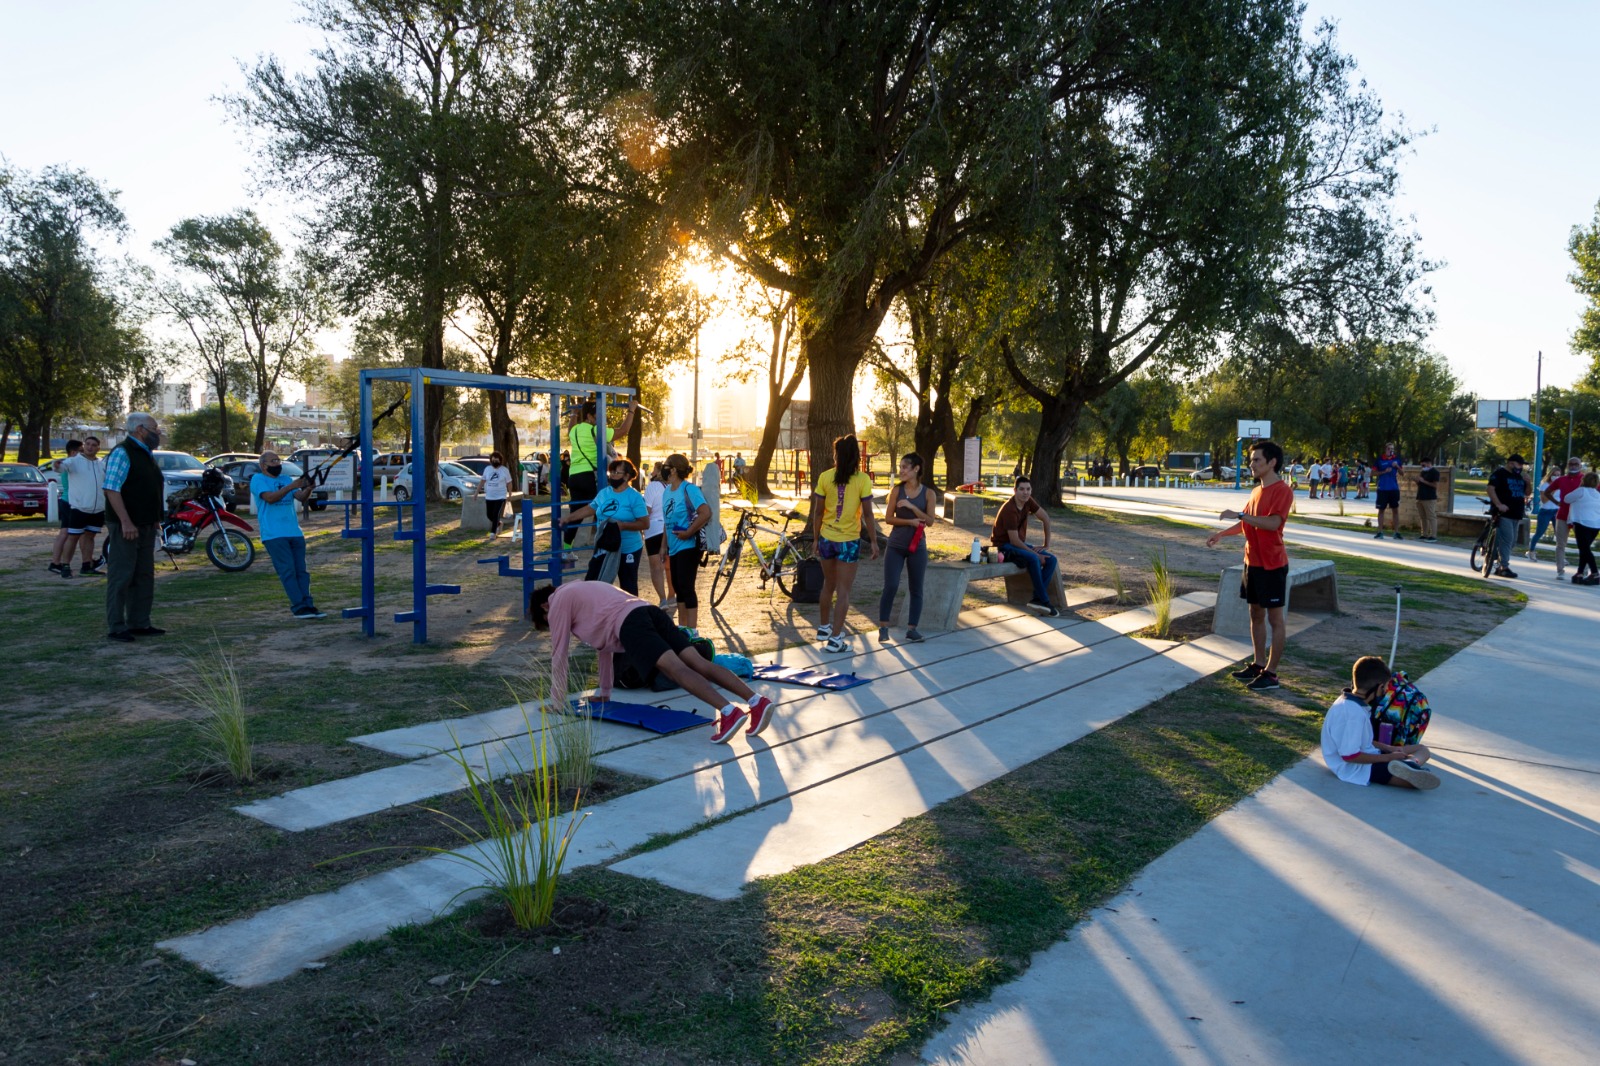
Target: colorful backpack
{"x":1404,"y":709}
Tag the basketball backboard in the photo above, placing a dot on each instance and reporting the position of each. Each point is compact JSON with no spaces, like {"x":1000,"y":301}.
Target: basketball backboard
{"x":1254,"y":429}
{"x":1491,"y":413}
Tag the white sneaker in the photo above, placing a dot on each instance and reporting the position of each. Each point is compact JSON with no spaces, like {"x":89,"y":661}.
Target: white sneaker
{"x":836,"y":644}
{"x":824,"y":632}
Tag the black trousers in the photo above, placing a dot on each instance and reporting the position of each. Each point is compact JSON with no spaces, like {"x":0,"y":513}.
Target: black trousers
{"x":581,"y":489}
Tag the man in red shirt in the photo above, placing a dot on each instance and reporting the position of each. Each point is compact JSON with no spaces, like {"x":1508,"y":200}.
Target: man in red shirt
{"x":1266,"y":563}
{"x":1556,"y":492}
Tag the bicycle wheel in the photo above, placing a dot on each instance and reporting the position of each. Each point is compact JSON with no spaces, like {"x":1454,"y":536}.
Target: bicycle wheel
{"x":786,"y":567}
{"x":726,"y":568}
{"x":1483,"y":552}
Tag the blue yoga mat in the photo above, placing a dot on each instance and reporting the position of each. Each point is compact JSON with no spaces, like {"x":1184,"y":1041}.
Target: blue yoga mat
{"x":809,"y":676}
{"x":656,"y":719}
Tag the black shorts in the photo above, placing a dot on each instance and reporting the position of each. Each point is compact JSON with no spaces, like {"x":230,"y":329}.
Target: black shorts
{"x":652,"y":545}
{"x":85,"y":521}
{"x":1389,"y":498}
{"x":1261,"y":587}
{"x":647,"y":634}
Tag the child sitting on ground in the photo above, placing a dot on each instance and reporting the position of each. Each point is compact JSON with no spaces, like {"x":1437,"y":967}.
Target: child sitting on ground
{"x":1348,"y":746}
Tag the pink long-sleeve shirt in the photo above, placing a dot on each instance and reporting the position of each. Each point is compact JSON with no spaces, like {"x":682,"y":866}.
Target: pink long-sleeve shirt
{"x":592,"y":611}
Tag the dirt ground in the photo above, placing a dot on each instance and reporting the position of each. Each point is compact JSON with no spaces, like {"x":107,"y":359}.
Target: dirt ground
{"x":108,"y":844}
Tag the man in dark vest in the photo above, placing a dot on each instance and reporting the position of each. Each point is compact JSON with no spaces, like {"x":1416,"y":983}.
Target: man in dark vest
{"x":135,"y":500}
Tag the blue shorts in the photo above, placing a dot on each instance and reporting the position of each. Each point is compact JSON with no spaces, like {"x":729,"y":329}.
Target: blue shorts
{"x":848,"y":551}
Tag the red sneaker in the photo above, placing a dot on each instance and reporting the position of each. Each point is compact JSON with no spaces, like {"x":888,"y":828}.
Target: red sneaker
{"x":726,"y":726}
{"x":761,"y":711}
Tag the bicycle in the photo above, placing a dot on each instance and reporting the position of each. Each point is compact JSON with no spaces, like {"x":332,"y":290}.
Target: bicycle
{"x":1484,"y":551}
{"x":779,"y":562}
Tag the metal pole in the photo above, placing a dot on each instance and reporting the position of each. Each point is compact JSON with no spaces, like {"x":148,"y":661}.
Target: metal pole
{"x":694,"y":418}
{"x":1568,"y":410}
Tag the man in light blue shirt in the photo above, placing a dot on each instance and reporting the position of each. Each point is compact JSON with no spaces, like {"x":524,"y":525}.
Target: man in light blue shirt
{"x":274,"y":494}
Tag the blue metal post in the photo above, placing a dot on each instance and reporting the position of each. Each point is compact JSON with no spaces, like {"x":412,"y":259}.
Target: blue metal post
{"x":1238,"y":462}
{"x":419,"y":518}
{"x":366,"y":532}
{"x":557,"y":542}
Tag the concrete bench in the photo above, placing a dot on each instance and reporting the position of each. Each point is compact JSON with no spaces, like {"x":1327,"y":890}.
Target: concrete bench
{"x":945,"y":587}
{"x":1312,"y":586}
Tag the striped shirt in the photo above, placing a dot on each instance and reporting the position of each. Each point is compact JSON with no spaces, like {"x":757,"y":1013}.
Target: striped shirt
{"x":117,"y":466}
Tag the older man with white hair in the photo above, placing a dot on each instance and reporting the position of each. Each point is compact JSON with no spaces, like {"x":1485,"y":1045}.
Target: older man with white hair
{"x":135,"y":499}
{"x":275,"y":493}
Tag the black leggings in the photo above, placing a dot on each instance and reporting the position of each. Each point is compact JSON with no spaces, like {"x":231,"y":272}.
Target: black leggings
{"x":1586,"y":536}
{"x":685,"y":567}
{"x":916,"y":565}
{"x":495,"y":508}
{"x":581,"y":489}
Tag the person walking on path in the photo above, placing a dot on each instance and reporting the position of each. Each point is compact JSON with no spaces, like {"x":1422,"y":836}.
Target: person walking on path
{"x":586,"y":451}
{"x":653,"y":491}
{"x":611,"y":621}
{"x":83,"y":507}
{"x":621,"y":504}
{"x":1363,"y":479}
{"x":274,"y":494}
{"x":1265,"y":583}
{"x":1388,"y":468}
{"x":1583,"y":513}
{"x":908,"y":511}
{"x":495,"y":488}
{"x":1508,"y":495}
{"x":1548,"y":508}
{"x":1557,"y":492}
{"x":684,"y":513}
{"x":1348,"y":748}
{"x":841,"y":503}
{"x":1010,"y":536}
{"x":1428,"y":500}
{"x":135,"y":499}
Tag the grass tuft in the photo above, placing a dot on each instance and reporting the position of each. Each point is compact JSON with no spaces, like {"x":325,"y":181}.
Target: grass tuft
{"x":210,"y":684}
{"x":1160,"y":589}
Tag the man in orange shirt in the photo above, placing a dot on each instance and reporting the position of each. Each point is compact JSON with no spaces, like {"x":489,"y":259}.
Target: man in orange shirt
{"x":1266,"y":563}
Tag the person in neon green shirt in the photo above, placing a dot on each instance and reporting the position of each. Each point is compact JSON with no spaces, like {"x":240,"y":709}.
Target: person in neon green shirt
{"x":586,"y":453}
{"x":840,"y":504}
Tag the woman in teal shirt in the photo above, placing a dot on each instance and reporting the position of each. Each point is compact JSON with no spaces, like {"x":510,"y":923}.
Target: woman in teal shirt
{"x":623,"y":504}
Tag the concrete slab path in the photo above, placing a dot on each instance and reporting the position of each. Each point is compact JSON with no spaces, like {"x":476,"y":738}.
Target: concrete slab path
{"x":1321,"y":923}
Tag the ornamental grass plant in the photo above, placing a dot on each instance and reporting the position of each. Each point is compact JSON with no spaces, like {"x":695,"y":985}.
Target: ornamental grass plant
{"x":209,"y":683}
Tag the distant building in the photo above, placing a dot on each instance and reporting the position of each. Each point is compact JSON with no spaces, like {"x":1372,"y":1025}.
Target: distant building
{"x":169,"y":398}
{"x":318,"y":394}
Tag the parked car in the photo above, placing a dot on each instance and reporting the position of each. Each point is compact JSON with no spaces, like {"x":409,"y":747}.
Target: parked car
{"x":456,"y":481}
{"x":389,"y":464}
{"x":242,"y":470}
{"x":475,"y":463}
{"x":1145,"y":471}
{"x":23,"y":490}
{"x":230,"y":457}
{"x":181,"y":472}
{"x":1476,"y":471}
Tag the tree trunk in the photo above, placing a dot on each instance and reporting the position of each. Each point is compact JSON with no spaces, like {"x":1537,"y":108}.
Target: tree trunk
{"x":5,"y":439}
{"x":761,"y":466}
{"x":44,"y":440}
{"x":833,"y":353}
{"x":28,"y":446}
{"x":433,"y":299}
{"x":221,"y":384}
{"x":1057,"y":423}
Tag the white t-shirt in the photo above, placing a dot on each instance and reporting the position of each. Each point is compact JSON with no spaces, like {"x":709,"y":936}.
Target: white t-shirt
{"x":653,"y":491}
{"x":496,"y":480}
{"x":1347,"y":730}
{"x":86,"y":480}
{"x":1583,"y":505}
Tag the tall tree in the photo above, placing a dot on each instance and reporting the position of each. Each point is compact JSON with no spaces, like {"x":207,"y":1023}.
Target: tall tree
{"x":382,"y":136}
{"x":66,"y":336}
{"x":792,"y":136}
{"x":1584,"y":246}
{"x":208,"y":338}
{"x":276,"y":307}
{"x":773,"y":357}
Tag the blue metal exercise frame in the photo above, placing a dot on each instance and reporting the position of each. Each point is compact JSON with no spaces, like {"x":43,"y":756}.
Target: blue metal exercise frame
{"x":535,"y":565}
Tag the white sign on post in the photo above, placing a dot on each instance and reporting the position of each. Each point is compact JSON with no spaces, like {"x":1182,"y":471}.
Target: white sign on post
{"x":341,"y":475}
{"x":971,"y":460}
{"x":1254,"y":429}
{"x":1491,"y":412}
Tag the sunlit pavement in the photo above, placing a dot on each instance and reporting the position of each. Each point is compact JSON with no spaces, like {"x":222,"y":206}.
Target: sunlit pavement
{"x":1317,"y":922}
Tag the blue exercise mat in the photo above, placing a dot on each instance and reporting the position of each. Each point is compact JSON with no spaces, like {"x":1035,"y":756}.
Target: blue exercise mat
{"x":809,"y":676}
{"x":656,"y":719}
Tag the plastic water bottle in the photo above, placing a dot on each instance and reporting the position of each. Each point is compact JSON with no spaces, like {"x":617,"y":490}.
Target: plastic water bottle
{"x":977,"y":550}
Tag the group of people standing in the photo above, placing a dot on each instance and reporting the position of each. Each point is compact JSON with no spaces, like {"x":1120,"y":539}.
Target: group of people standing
{"x":1330,"y":478}
{"x":1569,"y":501}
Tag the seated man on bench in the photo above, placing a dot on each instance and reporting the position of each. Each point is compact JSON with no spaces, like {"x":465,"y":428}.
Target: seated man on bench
{"x":1010,"y":535}
{"x":609,"y":621}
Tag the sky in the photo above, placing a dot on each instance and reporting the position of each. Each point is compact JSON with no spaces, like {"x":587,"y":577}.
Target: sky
{"x":127,"y":92}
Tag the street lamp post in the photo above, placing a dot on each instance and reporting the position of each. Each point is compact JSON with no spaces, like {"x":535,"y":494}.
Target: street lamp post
{"x":694,"y":417}
{"x":1568,"y":410}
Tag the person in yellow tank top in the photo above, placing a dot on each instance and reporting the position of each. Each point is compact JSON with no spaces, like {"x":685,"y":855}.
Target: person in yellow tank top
{"x":840,"y":505}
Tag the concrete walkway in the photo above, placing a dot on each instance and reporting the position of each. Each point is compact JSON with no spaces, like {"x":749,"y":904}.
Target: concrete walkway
{"x":1321,"y":923}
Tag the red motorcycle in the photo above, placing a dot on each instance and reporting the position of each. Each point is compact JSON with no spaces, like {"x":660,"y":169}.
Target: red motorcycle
{"x":230,"y":546}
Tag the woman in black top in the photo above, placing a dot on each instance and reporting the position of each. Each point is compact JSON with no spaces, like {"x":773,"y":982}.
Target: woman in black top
{"x":908,"y":512}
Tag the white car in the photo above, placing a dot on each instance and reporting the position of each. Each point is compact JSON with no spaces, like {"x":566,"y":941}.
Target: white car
{"x":456,"y":480}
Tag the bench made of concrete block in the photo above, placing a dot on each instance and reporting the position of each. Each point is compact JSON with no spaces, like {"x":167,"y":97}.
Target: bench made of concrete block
{"x":1312,"y":586}
{"x":945,"y":587}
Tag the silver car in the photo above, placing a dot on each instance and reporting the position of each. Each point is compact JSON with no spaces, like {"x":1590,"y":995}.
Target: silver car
{"x":456,"y":481}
